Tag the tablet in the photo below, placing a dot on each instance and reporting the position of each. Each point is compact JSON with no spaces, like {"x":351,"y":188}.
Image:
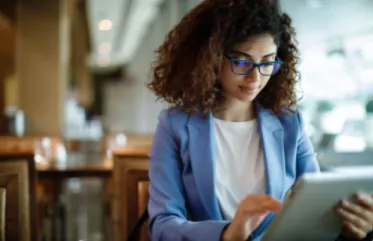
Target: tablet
{"x":308,"y":213}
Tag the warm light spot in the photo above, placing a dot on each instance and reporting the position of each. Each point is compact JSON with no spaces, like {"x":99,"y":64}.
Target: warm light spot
{"x":103,"y":62}
{"x":105,"y":25}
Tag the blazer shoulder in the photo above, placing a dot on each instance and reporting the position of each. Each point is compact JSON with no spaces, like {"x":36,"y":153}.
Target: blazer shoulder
{"x":173,"y":116}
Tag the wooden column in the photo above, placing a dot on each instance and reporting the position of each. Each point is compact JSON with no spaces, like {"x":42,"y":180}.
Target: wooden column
{"x":42,"y":63}
{"x":7,"y":52}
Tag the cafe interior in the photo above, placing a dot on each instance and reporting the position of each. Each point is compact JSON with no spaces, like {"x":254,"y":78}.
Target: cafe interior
{"x":77,"y":119}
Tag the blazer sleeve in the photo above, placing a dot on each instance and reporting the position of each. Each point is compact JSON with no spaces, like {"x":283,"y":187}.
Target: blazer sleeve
{"x":369,"y":237}
{"x":306,"y":156}
{"x":167,"y":207}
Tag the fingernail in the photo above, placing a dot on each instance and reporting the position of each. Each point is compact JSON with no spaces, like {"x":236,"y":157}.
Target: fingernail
{"x":345,"y":203}
{"x":362,"y":196}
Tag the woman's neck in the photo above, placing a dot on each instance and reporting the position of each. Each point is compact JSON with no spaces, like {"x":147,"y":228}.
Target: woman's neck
{"x":236,"y":111}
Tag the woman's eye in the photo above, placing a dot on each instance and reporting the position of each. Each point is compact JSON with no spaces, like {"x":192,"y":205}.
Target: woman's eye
{"x":241,"y":63}
{"x":238,"y":62}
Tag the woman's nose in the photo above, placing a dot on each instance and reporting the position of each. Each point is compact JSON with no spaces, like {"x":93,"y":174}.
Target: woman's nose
{"x":253,"y":76}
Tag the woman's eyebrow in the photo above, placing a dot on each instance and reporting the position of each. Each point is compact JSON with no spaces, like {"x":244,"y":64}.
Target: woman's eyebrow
{"x":249,"y":56}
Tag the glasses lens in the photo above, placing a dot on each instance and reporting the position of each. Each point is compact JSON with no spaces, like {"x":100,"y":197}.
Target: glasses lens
{"x":270,"y":68}
{"x":241,"y":66}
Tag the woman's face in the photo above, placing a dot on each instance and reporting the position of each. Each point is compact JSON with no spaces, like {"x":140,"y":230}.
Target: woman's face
{"x":246,"y":87}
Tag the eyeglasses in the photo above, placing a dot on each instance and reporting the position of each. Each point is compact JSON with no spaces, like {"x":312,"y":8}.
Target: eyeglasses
{"x":245,"y":67}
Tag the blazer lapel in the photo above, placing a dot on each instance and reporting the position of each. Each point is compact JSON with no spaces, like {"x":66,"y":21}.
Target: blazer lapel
{"x":271,"y":135}
{"x":202,"y":155}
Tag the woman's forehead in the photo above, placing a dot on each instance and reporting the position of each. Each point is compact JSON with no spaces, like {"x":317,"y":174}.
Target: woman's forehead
{"x":256,"y":46}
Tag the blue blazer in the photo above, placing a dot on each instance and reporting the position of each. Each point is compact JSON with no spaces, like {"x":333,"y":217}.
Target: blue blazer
{"x":183,"y":204}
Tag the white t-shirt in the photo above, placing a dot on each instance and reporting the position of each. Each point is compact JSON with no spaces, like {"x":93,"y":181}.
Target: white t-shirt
{"x":240,"y":168}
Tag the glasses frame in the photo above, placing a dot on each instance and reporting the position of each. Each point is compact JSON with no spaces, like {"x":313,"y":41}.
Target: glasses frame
{"x":256,"y":65}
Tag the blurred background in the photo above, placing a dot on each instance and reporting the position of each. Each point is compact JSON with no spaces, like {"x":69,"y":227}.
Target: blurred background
{"x":73,"y":94}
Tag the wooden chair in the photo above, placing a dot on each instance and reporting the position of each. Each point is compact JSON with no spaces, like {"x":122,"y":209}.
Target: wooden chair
{"x":130,"y":188}
{"x":11,"y":224}
{"x":18,"y":207}
{"x":2,"y":212}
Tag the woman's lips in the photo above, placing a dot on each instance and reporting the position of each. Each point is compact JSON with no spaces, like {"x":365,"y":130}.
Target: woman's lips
{"x":248,"y":89}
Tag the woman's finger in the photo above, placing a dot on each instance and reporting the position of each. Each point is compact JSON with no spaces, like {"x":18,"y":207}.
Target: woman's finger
{"x":354,"y":220}
{"x":357,"y":210}
{"x":261,"y":208}
{"x":366,"y":200}
{"x":256,"y":220}
{"x":256,"y":204}
{"x":351,"y":231}
{"x":272,"y":205}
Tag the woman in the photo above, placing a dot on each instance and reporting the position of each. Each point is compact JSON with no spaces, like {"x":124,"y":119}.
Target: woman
{"x":233,"y":144}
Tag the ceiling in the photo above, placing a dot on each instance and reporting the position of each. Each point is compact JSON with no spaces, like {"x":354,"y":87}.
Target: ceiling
{"x":315,"y":21}
{"x":318,"y":20}
{"x":128,"y":21}
{"x":117,"y":28}
{"x":335,"y":41}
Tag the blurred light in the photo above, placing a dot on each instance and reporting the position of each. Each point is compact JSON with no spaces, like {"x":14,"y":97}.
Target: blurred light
{"x":367,"y":76}
{"x":352,"y":110}
{"x":105,"y":48}
{"x":348,"y":143}
{"x":46,"y":142}
{"x":332,"y":122}
{"x":74,"y":185}
{"x":61,"y":155}
{"x":105,"y":25}
{"x":40,"y":160}
{"x":121,"y":139}
{"x":103,"y":62}
{"x":354,"y":169}
{"x":367,"y":51}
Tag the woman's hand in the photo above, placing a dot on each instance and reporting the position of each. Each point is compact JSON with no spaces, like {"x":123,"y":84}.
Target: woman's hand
{"x":357,"y":217}
{"x":254,"y":207}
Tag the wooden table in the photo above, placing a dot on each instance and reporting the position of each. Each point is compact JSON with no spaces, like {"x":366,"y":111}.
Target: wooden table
{"x":126,"y":183}
{"x":78,"y":165}
{"x":50,"y":185}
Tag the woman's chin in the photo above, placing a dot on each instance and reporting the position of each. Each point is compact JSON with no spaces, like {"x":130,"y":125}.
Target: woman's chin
{"x":242,"y":97}
{"x":246,"y":97}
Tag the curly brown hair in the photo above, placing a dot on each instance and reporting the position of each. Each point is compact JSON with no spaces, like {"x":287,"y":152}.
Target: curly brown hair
{"x":187,"y":68}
